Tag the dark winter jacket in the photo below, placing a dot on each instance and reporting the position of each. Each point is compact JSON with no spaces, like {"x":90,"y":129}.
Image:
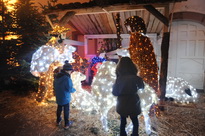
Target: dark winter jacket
{"x":125,"y":88}
{"x":63,"y":86}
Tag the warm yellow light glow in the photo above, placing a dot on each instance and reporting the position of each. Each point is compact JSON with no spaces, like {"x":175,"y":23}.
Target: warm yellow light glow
{"x":10,"y":4}
{"x":9,"y":37}
{"x":45,"y":89}
{"x":11,"y":61}
{"x":142,"y":54}
{"x":59,"y":30}
{"x":44,"y":61}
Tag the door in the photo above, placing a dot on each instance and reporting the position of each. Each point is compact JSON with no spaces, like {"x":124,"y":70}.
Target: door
{"x":187,"y":52}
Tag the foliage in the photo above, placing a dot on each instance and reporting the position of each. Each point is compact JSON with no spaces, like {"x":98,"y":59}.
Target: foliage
{"x":7,"y":23}
{"x":8,"y":28}
{"x":31,"y":27}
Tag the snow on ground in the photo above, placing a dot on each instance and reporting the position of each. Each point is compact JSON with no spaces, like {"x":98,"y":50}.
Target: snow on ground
{"x":22,"y":116}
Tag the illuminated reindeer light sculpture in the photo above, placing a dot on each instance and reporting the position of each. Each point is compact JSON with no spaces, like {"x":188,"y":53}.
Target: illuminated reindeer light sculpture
{"x":101,"y":98}
{"x":82,"y":99}
{"x":102,"y":91}
{"x":45,"y":60}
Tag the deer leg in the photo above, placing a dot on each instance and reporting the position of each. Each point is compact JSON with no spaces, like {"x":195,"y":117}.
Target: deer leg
{"x":104,"y":120}
{"x":129,"y":127}
{"x":147,"y":122}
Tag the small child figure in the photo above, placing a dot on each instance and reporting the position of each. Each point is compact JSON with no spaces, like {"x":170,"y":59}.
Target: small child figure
{"x":63,"y":87}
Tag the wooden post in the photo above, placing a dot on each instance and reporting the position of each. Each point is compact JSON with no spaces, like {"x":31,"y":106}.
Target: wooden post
{"x":164,"y":61}
{"x":164,"y":50}
{"x":164,"y":64}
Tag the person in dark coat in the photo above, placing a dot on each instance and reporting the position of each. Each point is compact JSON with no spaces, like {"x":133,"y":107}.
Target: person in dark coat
{"x":63,"y":87}
{"x":125,"y":88}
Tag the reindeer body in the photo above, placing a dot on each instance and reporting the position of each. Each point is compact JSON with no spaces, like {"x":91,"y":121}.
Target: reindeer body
{"x":102,"y":91}
{"x":44,"y":61}
{"x":82,"y":99}
{"x":101,"y":97}
{"x":102,"y":88}
{"x":180,"y":90}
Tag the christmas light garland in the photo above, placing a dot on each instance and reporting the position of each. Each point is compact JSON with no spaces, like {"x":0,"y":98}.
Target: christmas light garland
{"x":119,"y":30}
{"x":142,"y":54}
{"x":102,"y":88}
{"x":96,"y":60}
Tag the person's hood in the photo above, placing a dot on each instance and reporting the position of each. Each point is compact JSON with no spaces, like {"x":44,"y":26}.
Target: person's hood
{"x":62,"y":76}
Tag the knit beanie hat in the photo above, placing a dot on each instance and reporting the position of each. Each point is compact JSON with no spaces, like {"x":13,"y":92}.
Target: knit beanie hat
{"x":67,"y":66}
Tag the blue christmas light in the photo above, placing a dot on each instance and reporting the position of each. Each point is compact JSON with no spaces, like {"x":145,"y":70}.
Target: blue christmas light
{"x":96,"y":60}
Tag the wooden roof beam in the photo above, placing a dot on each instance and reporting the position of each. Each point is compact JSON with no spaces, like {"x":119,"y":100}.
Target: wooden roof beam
{"x":98,"y":10}
{"x":73,"y":42}
{"x":157,"y":14}
{"x":49,"y":21}
{"x":64,"y":20}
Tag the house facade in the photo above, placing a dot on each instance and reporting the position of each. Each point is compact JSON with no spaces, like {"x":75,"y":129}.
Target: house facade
{"x":186,"y":19}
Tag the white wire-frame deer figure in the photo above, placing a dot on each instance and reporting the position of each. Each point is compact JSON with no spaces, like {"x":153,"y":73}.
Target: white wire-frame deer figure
{"x":180,"y":90}
{"x":102,"y":90}
{"x":101,"y":94}
{"x":82,"y":99}
{"x":45,"y":60}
